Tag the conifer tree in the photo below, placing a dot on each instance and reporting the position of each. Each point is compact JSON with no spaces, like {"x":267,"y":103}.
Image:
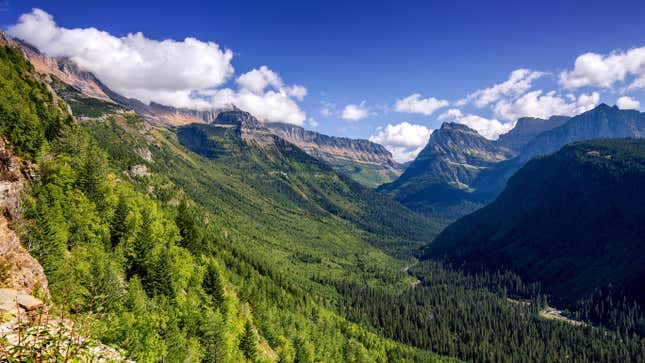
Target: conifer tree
{"x":213,"y":284}
{"x":248,"y":342}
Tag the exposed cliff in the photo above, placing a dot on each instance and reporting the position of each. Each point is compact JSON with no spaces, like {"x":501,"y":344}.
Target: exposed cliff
{"x":366,"y":161}
{"x":23,"y":273}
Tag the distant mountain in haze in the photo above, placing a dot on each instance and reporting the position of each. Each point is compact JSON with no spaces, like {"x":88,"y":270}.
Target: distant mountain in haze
{"x":601,"y":122}
{"x":526,"y":129}
{"x":573,"y":220}
{"x":458,"y":188}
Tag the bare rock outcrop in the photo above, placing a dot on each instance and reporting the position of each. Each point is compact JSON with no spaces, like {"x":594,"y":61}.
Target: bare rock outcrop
{"x":23,"y":273}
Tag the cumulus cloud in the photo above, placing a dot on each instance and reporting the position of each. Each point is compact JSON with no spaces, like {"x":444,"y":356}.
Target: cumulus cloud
{"x":353,"y":112}
{"x":404,"y":140}
{"x":176,"y":73}
{"x":628,"y":103}
{"x":272,"y":106}
{"x":416,"y":104}
{"x":258,"y":79}
{"x":539,"y":104}
{"x":519,"y":81}
{"x":132,"y":65}
{"x":598,"y":70}
{"x":488,"y":128}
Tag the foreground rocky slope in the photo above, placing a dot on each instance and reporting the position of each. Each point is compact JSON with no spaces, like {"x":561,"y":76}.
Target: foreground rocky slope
{"x":21,"y":271}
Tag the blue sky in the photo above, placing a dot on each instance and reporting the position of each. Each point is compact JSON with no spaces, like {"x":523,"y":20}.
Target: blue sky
{"x":371,"y":54}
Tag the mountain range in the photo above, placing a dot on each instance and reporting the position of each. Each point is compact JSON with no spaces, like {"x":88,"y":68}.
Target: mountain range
{"x":365,"y":161}
{"x":459,"y":171}
{"x":178,"y":235}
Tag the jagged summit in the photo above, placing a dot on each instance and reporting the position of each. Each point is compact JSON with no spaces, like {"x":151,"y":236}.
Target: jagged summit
{"x":236,"y":117}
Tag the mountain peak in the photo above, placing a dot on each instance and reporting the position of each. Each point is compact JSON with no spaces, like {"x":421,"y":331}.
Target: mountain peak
{"x":236,"y":117}
{"x":456,"y":126}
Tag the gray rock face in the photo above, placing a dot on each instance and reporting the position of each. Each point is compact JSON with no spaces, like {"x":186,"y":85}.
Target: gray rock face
{"x":247,"y":127}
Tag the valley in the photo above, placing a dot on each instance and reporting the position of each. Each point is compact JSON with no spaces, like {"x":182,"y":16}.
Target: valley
{"x":157,"y":233}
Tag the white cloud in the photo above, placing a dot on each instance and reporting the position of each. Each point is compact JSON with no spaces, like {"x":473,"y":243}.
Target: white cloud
{"x":628,"y":103}
{"x":272,"y":106}
{"x":257,"y":80}
{"x":276,"y":104}
{"x":297,"y":92}
{"x":353,"y":112}
{"x":415,"y":104}
{"x":538,"y":104}
{"x":592,"y":69}
{"x":488,"y":128}
{"x":180,"y":74}
{"x":133,"y":65}
{"x":519,"y":81}
{"x":404,"y":140}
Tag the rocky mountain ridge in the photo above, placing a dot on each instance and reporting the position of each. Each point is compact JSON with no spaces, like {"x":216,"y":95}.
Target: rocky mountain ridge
{"x":366,"y":161}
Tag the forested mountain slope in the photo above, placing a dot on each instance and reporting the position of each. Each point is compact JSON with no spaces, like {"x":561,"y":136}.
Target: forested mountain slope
{"x":573,"y":221}
{"x":225,"y":243}
{"x":147,"y":268}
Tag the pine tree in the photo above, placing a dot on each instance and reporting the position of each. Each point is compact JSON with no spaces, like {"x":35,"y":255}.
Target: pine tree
{"x":213,"y":339}
{"x":142,"y":247}
{"x":192,"y":235}
{"x":213,"y":284}
{"x":118,"y":228}
{"x":248,"y":342}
